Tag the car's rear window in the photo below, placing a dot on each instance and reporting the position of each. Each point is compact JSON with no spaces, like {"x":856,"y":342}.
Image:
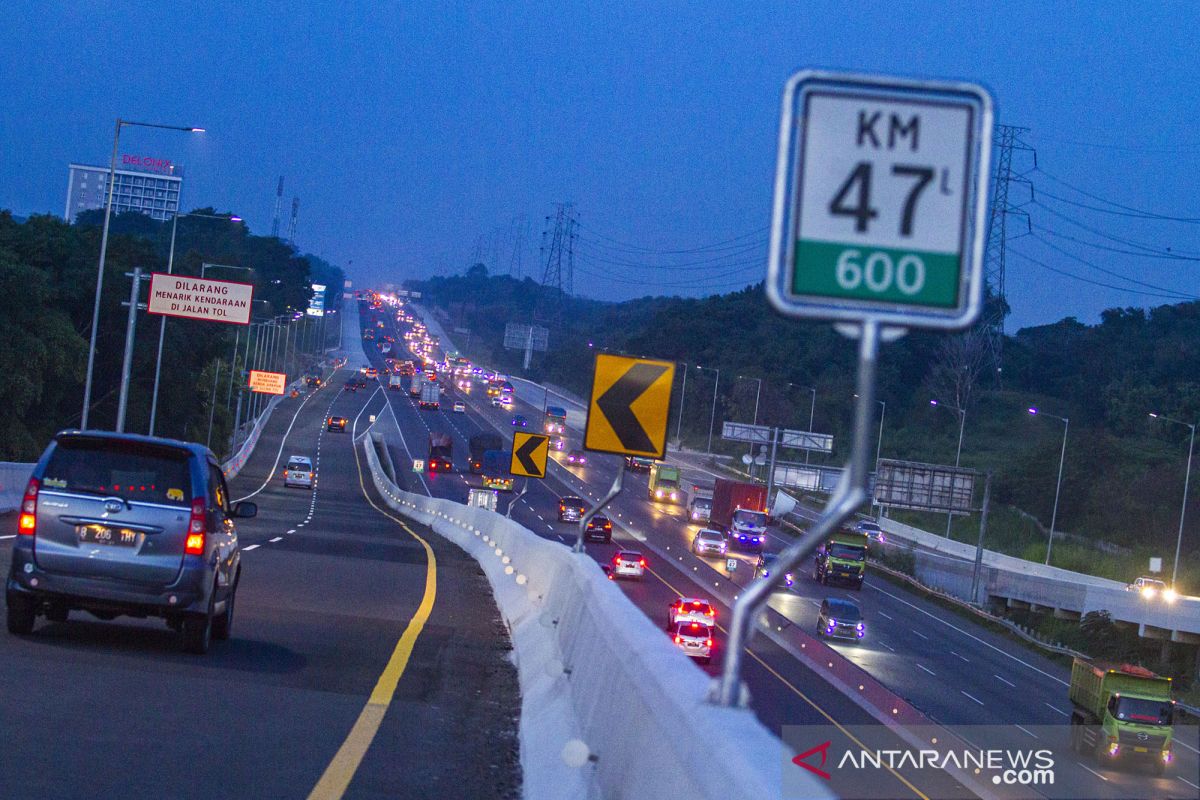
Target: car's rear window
{"x":627,"y":556}
{"x":130,"y":470}
{"x":844,"y":610}
{"x":694,"y":629}
{"x":299,"y":463}
{"x":572,"y":502}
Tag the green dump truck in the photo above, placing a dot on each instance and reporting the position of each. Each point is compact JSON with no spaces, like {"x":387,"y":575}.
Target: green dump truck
{"x":663,"y":486}
{"x":842,"y":558}
{"x":1122,"y":714}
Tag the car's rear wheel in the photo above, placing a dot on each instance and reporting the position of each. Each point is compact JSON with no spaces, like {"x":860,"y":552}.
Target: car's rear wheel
{"x":22,"y":614}
{"x":223,"y":624}
{"x":198,"y":631}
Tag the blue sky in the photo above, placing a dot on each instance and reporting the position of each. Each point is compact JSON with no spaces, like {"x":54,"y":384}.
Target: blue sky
{"x":411,"y":131}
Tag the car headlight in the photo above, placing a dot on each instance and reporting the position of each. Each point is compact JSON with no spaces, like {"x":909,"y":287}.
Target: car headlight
{"x":1169,"y":595}
{"x":1147,"y":591}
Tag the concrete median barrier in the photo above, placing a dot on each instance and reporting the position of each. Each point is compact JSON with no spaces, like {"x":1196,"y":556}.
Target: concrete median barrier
{"x":609,"y":707}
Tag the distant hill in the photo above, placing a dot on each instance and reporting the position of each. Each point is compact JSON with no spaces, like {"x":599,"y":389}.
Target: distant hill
{"x":1123,"y":476}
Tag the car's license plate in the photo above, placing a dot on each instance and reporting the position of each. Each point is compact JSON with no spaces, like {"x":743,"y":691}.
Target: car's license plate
{"x":101,"y":534}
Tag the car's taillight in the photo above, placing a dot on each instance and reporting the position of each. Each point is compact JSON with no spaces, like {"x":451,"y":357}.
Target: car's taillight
{"x":678,"y":639}
{"x":708,"y":642}
{"x":642,"y":562}
{"x":197,"y":525}
{"x":27,"y":523}
{"x":711,"y":613}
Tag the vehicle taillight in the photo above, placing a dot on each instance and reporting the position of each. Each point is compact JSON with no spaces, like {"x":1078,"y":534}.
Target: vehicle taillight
{"x":711,"y":613}
{"x":197,"y":525}
{"x":642,"y":562}
{"x":27,"y":523}
{"x":678,"y":639}
{"x":708,"y":642}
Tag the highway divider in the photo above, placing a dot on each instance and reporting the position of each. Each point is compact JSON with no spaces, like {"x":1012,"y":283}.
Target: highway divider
{"x":609,"y":707}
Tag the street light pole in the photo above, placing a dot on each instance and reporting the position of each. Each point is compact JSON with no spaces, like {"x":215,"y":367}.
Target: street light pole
{"x":679,"y":420}
{"x":127,"y":359}
{"x":757,"y":394}
{"x":962,"y":424}
{"x":1058,"y":484}
{"x":1187,"y":477}
{"x":812,"y":412}
{"x":112,"y":179}
{"x":712,"y":417}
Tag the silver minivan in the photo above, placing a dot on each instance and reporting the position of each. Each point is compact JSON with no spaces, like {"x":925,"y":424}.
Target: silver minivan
{"x":119,"y":524}
{"x":298,"y":472}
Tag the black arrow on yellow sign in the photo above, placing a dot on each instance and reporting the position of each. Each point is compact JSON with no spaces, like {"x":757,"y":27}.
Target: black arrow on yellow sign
{"x":629,"y":406}
{"x":617,"y":402}
{"x":529,"y":454}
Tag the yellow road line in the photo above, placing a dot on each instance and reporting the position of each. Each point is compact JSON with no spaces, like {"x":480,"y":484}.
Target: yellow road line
{"x":337,"y":776}
{"x":803,"y":697}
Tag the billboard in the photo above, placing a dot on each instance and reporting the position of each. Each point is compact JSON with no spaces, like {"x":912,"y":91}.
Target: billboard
{"x":316,"y":306}
{"x":200,"y":298}
{"x":924,"y":487}
{"x":267,"y":382}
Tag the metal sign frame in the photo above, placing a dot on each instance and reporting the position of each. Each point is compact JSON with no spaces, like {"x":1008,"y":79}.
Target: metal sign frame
{"x":745,"y":432}
{"x":917,"y":486}
{"x":790,"y":174}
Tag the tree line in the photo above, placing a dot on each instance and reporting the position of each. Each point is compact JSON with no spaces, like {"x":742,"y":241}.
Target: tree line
{"x":1123,"y":474}
{"x":47,"y":289}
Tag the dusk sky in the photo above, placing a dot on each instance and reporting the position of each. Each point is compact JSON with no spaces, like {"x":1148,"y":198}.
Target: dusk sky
{"x":411,"y":134}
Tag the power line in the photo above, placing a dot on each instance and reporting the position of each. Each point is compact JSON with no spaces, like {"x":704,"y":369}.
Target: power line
{"x":697,"y":282}
{"x":699,"y":249}
{"x":1109,"y":272}
{"x":706,"y":263}
{"x":1119,"y":240}
{"x":1082,"y":279}
{"x":1140,"y":213}
{"x":1140,"y":254}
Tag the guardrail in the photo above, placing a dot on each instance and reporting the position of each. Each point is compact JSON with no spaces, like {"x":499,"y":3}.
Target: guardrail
{"x":15,"y":475}
{"x":609,"y":707}
{"x":948,"y":565}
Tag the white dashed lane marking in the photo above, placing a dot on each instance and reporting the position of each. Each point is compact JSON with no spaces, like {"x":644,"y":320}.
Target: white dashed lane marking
{"x":277,"y":539}
{"x":249,"y":547}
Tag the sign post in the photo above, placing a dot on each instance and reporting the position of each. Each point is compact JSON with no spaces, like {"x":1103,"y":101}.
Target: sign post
{"x":877,"y":226}
{"x":628,"y":412}
{"x":880,"y":200}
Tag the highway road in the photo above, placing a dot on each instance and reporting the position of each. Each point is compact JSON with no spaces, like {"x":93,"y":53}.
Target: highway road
{"x":367,"y":660}
{"x":784,"y":691}
{"x":956,"y":672}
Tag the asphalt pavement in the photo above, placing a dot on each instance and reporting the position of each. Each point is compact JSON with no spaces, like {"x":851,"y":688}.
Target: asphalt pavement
{"x":367,"y":660}
{"x":954,"y":671}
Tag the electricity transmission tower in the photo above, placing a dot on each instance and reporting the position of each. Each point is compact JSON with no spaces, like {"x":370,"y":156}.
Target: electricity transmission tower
{"x":558,"y":250}
{"x":1009,"y":138}
{"x":292,"y":225}
{"x":278,"y":205}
